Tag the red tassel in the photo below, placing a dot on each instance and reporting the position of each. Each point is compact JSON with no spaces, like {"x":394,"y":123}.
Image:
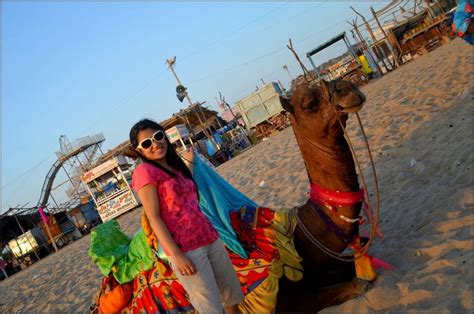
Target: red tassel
{"x":378,"y":263}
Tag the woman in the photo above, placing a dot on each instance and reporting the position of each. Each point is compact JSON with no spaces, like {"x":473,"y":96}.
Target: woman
{"x":168,"y":193}
{"x":463,"y":23}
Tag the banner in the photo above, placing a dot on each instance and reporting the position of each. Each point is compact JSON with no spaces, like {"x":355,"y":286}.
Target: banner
{"x":117,"y":206}
{"x":43,"y":215}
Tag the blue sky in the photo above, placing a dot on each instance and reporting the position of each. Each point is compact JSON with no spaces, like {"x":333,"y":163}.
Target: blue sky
{"x":85,"y":68}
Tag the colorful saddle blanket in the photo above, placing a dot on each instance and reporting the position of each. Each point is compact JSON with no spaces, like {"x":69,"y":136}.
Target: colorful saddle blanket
{"x":265,"y":234}
{"x":259,"y":241}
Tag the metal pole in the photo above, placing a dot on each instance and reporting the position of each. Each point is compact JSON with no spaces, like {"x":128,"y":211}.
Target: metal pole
{"x":75,"y":188}
{"x":87,"y":157}
{"x":285,"y":67}
{"x":314,"y":67}
{"x":80,"y":163}
{"x":170,"y":66}
{"x":51,"y":194}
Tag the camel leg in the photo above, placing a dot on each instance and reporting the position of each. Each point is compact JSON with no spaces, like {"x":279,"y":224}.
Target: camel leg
{"x":291,"y":300}
{"x":336,"y":272}
{"x":338,"y":294}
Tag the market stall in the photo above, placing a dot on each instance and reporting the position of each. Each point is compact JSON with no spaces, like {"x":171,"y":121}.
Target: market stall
{"x":347,"y":68}
{"x":61,"y":229}
{"x":179,"y":134}
{"x":233,"y":140}
{"x":421,"y":33}
{"x":109,"y":187}
{"x":27,"y":243}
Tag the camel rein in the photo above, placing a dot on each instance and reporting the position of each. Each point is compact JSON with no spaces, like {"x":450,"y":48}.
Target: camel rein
{"x":351,"y":199}
{"x":331,"y":225}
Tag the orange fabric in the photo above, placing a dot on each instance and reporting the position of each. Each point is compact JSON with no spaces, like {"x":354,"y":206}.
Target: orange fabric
{"x":151,"y":238}
{"x":116,"y":300}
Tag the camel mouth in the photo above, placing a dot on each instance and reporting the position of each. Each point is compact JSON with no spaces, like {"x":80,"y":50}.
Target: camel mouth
{"x":350,"y":109}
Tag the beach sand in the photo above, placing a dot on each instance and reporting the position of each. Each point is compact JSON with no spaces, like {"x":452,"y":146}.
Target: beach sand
{"x":419,"y":123}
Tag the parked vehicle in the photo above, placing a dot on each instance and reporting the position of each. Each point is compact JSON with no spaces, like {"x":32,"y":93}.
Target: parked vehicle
{"x":262,"y":110}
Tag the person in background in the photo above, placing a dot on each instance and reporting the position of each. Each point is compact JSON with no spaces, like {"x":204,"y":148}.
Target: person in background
{"x":170,"y":201}
{"x":463,"y":23}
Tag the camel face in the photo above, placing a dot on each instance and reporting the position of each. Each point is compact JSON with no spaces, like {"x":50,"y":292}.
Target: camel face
{"x":346,"y":96}
{"x":312,"y":110}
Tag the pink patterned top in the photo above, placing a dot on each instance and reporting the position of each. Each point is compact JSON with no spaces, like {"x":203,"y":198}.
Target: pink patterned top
{"x":179,"y":207}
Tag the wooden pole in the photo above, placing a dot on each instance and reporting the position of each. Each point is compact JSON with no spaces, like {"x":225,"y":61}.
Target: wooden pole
{"x":430,"y":10}
{"x":396,"y":42}
{"x":440,"y":7}
{"x":46,"y":225}
{"x":373,"y":39}
{"x":395,"y":53}
{"x":361,"y":38}
{"x":23,"y":231}
{"x":4,"y":272}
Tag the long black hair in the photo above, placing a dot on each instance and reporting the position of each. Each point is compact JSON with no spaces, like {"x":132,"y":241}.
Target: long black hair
{"x":172,"y":158}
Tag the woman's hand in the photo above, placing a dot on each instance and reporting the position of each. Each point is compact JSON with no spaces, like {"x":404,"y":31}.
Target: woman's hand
{"x":188,"y":155}
{"x":183,"y":264}
{"x":188,"y":158}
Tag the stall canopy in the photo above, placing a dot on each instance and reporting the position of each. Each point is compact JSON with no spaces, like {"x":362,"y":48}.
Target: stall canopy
{"x":326,"y":44}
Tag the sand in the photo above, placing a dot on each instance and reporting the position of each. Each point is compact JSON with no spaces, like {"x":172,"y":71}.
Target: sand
{"x":419,"y":123}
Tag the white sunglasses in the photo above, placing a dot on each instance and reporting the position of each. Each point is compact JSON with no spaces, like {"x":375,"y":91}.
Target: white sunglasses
{"x":158,"y":136}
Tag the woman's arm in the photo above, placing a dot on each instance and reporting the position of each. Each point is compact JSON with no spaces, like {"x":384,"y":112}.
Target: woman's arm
{"x":149,"y":198}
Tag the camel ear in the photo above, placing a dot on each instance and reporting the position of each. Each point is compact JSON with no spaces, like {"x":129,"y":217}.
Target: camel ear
{"x":326,"y":87}
{"x":285,"y":103}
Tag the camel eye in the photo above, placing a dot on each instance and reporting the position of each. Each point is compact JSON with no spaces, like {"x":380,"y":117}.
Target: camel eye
{"x":340,"y":91}
{"x":311,"y":106}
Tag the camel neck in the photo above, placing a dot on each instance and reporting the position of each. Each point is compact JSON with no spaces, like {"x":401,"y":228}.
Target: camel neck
{"x":329,"y":162}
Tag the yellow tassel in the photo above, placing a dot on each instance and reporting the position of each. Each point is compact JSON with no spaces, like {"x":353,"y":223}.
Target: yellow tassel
{"x":364,"y":269}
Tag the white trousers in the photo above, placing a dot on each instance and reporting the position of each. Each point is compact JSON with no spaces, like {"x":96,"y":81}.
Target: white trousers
{"x":215,"y":284}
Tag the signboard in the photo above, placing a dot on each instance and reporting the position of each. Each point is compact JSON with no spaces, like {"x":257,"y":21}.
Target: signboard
{"x":117,"y":206}
{"x":177,"y":132}
{"x":99,"y":170}
{"x":103,"y":168}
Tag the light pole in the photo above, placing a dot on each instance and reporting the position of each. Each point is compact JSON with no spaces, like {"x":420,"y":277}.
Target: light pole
{"x":285,"y":67}
{"x":171,"y":62}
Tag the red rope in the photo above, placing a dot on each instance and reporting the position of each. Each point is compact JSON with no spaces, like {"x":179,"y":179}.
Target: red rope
{"x":324,"y":196}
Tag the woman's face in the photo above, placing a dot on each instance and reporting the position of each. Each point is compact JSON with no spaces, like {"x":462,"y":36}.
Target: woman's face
{"x":157,"y":150}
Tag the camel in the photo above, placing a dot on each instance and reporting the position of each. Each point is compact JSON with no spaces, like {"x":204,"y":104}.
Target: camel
{"x":329,"y":165}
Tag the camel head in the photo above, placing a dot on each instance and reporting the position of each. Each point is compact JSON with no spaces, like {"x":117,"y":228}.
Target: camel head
{"x":313,"y":113}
